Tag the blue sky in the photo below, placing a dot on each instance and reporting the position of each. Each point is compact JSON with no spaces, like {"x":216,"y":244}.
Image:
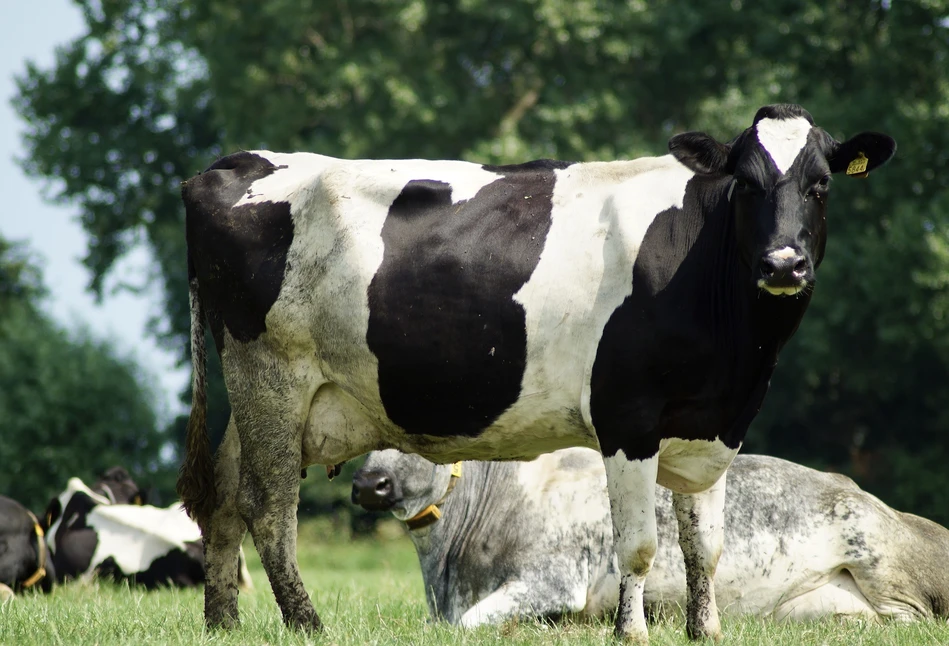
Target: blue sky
{"x":53,"y":232}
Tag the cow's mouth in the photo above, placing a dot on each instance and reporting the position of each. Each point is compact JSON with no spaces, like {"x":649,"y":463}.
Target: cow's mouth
{"x":782,"y":289}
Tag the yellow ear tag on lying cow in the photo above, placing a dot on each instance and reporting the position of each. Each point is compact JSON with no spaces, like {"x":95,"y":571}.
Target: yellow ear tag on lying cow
{"x":858,"y":167}
{"x":456,"y":470}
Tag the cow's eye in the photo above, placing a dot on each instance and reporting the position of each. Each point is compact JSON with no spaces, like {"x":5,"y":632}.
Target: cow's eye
{"x":741,"y":184}
{"x":822,"y":185}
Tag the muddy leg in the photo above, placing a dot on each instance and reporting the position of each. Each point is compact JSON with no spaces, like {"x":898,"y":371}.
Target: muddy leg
{"x":267,"y":501}
{"x":701,"y":519}
{"x":223,"y":537}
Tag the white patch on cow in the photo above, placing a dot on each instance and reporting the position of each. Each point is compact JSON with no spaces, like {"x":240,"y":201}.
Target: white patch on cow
{"x":73,"y":486}
{"x":301,"y":174}
{"x":691,"y":466}
{"x":784,"y":253}
{"x":783,"y":139}
{"x":136,"y":535}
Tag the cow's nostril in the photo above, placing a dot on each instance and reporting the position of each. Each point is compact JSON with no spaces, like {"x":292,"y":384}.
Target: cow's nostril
{"x":768,"y":267}
{"x":800,"y":267}
{"x":383,"y":487}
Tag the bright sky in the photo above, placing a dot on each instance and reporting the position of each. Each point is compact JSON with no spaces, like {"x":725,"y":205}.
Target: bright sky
{"x":33,"y":31}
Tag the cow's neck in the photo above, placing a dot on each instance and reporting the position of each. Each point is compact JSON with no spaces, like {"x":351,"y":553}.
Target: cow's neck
{"x":449,"y":550}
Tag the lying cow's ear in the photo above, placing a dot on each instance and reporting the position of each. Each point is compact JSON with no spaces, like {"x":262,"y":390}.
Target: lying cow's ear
{"x":862,"y":153}
{"x":53,"y":510}
{"x":700,"y":152}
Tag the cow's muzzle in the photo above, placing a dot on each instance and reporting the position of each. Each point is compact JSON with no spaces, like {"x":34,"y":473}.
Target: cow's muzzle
{"x":783,"y":272}
{"x":375,"y":490}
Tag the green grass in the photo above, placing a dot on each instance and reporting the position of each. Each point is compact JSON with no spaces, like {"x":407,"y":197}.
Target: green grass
{"x":366,"y":593}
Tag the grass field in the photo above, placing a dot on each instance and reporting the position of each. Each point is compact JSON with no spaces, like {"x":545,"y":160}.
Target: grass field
{"x":366,"y":593}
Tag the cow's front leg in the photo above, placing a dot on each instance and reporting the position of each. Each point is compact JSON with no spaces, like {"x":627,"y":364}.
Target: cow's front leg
{"x":223,"y":536}
{"x":701,"y":519}
{"x":530,"y":597}
{"x":632,"y":488}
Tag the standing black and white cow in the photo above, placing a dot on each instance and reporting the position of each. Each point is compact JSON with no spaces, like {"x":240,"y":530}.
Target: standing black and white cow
{"x":89,"y":536}
{"x":498,"y":540}
{"x":24,"y":559}
{"x":463,"y":311}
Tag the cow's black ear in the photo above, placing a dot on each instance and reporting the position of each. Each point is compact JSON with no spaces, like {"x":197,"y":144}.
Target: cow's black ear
{"x":862,"y":153}
{"x":700,"y":152}
{"x":53,"y":510}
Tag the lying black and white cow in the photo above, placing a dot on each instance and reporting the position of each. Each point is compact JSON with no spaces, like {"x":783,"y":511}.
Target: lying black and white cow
{"x":465,"y":311}
{"x":151,"y":546}
{"x":24,"y":559}
{"x":520,"y":539}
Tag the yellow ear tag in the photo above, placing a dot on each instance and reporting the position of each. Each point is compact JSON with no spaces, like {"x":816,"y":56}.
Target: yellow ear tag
{"x":456,"y":470}
{"x":858,"y":167}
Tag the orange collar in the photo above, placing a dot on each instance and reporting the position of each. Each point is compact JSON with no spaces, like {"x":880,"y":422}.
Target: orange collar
{"x":41,"y":552}
{"x":432,"y":513}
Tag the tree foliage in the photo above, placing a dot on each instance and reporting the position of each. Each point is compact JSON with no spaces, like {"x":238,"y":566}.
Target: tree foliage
{"x":157,"y":88}
{"x":69,"y":405}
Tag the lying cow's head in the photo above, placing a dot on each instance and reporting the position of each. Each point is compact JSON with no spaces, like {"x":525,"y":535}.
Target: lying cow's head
{"x":117,"y":485}
{"x":402,"y":483}
{"x":780,"y":170}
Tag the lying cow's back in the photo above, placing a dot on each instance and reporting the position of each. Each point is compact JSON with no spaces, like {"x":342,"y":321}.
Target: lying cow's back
{"x":801,"y":543}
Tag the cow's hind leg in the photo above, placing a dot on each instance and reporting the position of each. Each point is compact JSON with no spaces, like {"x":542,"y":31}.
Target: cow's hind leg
{"x":270,"y":438}
{"x":632,"y":488}
{"x":223,"y":536}
{"x":701,"y":519}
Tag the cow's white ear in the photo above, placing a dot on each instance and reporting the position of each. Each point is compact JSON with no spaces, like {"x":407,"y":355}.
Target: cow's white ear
{"x":700,"y":152}
{"x":861,"y":153}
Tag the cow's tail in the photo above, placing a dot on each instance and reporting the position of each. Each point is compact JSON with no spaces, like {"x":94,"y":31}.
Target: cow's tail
{"x":196,"y":485}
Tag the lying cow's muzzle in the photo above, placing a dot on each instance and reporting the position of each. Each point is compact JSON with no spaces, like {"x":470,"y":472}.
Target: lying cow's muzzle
{"x":374,"y":490}
{"x":783,"y":272}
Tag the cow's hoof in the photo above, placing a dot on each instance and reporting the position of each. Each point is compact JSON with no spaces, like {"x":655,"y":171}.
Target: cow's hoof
{"x":711,"y":631}
{"x":631,"y":636}
{"x":6,"y":593}
{"x":225,"y":623}
{"x":705,"y":635}
{"x":305,"y":622}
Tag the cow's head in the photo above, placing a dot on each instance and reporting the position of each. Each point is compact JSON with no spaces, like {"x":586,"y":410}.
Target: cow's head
{"x":402,"y":483}
{"x":117,"y":485}
{"x":781,"y":169}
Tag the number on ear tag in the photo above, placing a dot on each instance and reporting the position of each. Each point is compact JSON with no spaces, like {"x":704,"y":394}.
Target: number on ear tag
{"x":858,"y":166}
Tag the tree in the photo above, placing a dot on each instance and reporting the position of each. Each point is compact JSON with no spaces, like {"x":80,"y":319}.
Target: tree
{"x":69,"y":405}
{"x":156,"y":90}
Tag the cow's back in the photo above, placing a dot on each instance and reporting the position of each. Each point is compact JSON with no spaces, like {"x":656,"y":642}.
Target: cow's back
{"x":437,"y":302}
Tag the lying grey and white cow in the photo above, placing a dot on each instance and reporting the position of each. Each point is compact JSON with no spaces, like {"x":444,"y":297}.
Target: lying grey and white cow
{"x":534,"y":539}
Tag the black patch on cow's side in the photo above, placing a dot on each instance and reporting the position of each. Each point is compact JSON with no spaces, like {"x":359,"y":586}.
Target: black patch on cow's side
{"x":177,"y":568}
{"x":450,"y":340}
{"x":690,"y":352}
{"x":238,"y":253}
